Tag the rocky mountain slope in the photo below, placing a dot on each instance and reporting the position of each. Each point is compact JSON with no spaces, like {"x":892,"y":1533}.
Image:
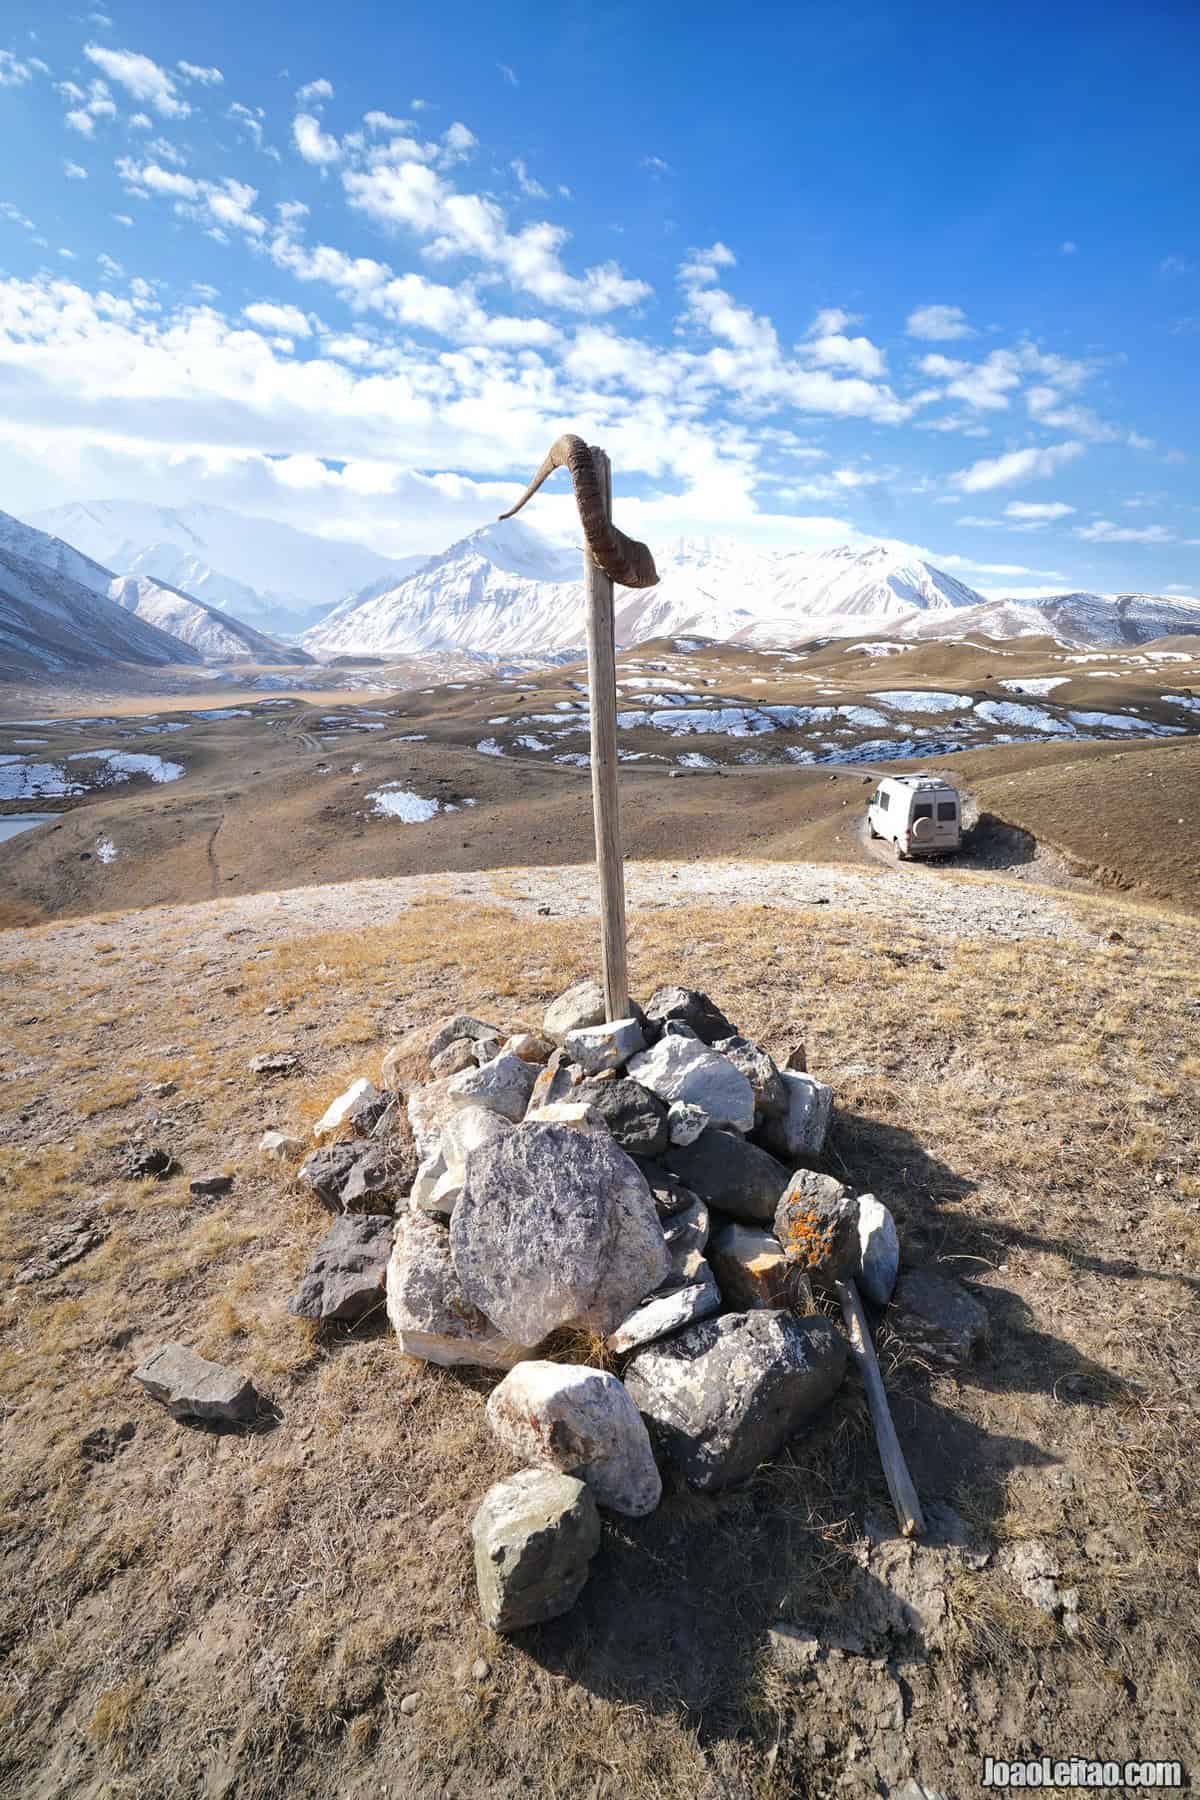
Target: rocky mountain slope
{"x":52,"y":623}
{"x":278,"y":578}
{"x":217,"y":635}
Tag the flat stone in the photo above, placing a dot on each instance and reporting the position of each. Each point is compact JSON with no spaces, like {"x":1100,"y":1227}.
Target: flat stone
{"x":576,"y":1007}
{"x":68,"y":1245}
{"x":567,"y":1112}
{"x":501,"y":1086}
{"x":345,"y":1278}
{"x":636,"y":1118}
{"x":458,"y":1025}
{"x":339,"y":1111}
{"x":878,"y":1250}
{"x":280,"y":1146}
{"x":535,"y":1536}
{"x":192,"y":1388}
{"x":725,"y":1395}
{"x":210,"y":1187}
{"x":684,"y":1069}
{"x":761,"y":1071}
{"x":751,"y":1268}
{"x":736,"y":1177}
{"x":380,"y":1177}
{"x":582,"y":1422}
{"x":685,"y":1122}
{"x":273,"y":1063}
{"x":816,"y":1221}
{"x":607,"y":1046}
{"x":454,"y":1058}
{"x":556,"y":1227}
{"x":939,"y":1317}
{"x":429,"y":1312}
{"x":690,"y":1008}
{"x":669,"y":1310}
{"x":800,"y":1132}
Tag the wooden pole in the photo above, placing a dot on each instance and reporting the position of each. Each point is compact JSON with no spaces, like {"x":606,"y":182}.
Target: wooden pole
{"x":606,"y":806}
{"x":895,"y":1469}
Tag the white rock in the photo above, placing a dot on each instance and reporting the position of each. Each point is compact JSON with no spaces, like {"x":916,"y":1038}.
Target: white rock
{"x":280,"y":1146}
{"x":430,"y":1314}
{"x":502,"y":1086}
{"x":567,"y":1112}
{"x":685,"y":1122}
{"x":581,"y":1421}
{"x":800,"y":1133}
{"x":670,"y":1310}
{"x":336,"y":1114}
{"x":878,"y":1250}
{"x":468,"y":1129}
{"x":429,"y":1108}
{"x":599,"y":1047}
{"x":680,"y":1068}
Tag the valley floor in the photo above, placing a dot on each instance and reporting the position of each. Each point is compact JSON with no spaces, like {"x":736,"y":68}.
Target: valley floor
{"x":204,"y":1614}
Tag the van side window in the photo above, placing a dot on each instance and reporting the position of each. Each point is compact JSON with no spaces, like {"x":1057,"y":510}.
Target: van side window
{"x":882,"y":799}
{"x":947,"y":811}
{"x":923,"y":810}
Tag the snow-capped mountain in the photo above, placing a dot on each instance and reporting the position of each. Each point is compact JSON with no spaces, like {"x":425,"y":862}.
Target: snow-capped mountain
{"x":215,"y":634}
{"x":1081,"y":621}
{"x":278,"y":578}
{"x":503,"y":589}
{"x":51,"y":623}
{"x":507,"y":589}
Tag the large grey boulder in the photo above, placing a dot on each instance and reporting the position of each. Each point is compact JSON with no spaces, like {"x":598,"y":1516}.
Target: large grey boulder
{"x":816,"y":1221}
{"x":535,"y":1536}
{"x":685,"y":1069}
{"x":556,"y":1227}
{"x":345,"y":1278}
{"x":676,"y":1304}
{"x":761,"y":1071}
{"x":599,"y":1047}
{"x":878,"y":1261}
{"x":501,"y":1086}
{"x":725,"y":1395}
{"x":939,"y":1317}
{"x":635,"y":1117}
{"x":800,"y":1132}
{"x":690,"y":1008}
{"x":429,"y":1312}
{"x":575,"y":1009}
{"x":736,"y":1177}
{"x":750,"y":1267}
{"x":581,"y":1421}
{"x":190,"y":1387}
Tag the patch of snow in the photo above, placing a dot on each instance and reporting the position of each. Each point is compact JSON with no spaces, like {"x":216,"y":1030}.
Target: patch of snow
{"x":1106,"y":721}
{"x":106,"y":850}
{"x":229,"y":712}
{"x":413,"y":737}
{"x":692,"y":759}
{"x":395,"y":802}
{"x":922,"y":700}
{"x":123,"y":763}
{"x":530,"y":742}
{"x":1036,"y":685}
{"x":1190,"y":701}
{"x":1027,"y":718}
{"x":574,"y":760}
{"x":20,"y":780}
{"x":29,"y":743}
{"x":489,"y":747}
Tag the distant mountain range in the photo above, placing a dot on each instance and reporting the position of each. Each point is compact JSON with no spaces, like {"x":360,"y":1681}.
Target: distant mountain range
{"x":61,"y":610}
{"x":278,"y":579}
{"x":506,"y":590}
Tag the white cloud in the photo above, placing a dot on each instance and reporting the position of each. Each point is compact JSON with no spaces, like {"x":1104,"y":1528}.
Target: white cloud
{"x":140,"y":121}
{"x":1103,"y":531}
{"x":657,"y":165}
{"x":194,"y":72}
{"x":74,"y":171}
{"x":289,"y":321}
{"x":314,"y":145}
{"x":123,"y":219}
{"x":938,"y":324}
{"x":525,"y":180}
{"x":1046,"y":405}
{"x":141,"y":77}
{"x":110,"y":265}
{"x":1014,"y":467}
{"x":833,"y":349}
{"x":1068,"y":247}
{"x":509,"y":75}
{"x":15,"y":216}
{"x":218,"y":206}
{"x":313,"y":93}
{"x":1037,"y":511}
{"x":14,"y":72}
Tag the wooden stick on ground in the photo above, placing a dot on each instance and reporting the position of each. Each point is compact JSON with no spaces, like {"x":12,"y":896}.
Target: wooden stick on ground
{"x":895,"y":1469}
{"x":602,"y":694}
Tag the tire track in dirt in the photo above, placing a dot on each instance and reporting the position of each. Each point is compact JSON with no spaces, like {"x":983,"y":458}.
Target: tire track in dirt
{"x":210,"y":851}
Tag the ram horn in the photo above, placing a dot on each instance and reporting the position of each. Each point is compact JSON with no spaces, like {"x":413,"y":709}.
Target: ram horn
{"x":629,"y":563}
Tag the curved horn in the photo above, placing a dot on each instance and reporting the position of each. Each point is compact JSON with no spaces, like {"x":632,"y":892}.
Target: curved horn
{"x":629,"y":563}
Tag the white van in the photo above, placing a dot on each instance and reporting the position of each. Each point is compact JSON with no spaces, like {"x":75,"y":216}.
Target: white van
{"x":919,"y":814}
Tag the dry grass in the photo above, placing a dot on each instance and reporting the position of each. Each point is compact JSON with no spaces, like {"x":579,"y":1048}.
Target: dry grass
{"x":212,"y":1613}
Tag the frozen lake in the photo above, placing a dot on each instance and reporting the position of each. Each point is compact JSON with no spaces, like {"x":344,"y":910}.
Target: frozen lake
{"x":15,"y":822}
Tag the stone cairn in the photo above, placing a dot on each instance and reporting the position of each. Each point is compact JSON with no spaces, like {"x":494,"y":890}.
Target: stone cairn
{"x":641,"y":1192}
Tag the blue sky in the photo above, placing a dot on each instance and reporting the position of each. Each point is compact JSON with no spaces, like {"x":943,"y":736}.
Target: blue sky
{"x":813,"y":274}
